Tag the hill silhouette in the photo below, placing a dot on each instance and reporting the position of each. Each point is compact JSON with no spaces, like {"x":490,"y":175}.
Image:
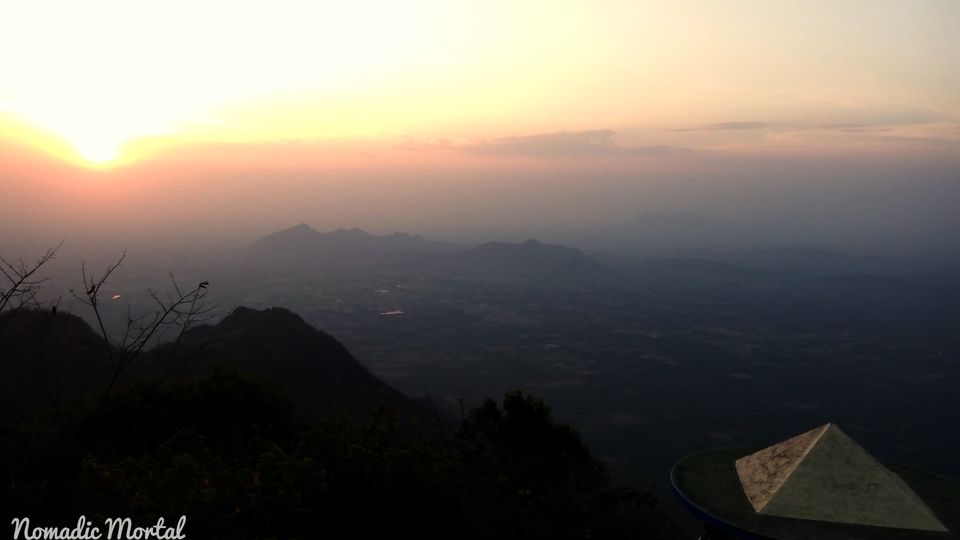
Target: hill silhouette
{"x":47,"y":361}
{"x":317,"y":371}
{"x":353,"y":252}
{"x":531,"y":259}
{"x":221,"y":442}
{"x":302,"y":240}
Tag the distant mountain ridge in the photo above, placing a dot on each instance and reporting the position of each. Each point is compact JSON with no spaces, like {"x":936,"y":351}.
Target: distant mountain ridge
{"x":673,"y":233}
{"x":302,"y":238}
{"x":531,"y":258}
{"x":702,"y":252}
{"x":353,"y":251}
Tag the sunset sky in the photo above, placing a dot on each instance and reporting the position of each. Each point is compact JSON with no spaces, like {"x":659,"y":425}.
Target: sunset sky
{"x":105,"y":76}
{"x":164,"y":89}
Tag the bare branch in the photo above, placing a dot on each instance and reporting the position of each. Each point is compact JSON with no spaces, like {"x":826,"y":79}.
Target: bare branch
{"x":182,"y":309}
{"x":90,"y":297}
{"x":22,"y":284}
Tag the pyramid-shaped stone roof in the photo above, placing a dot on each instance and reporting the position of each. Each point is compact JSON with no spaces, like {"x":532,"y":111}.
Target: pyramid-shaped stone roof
{"x":825,"y":475}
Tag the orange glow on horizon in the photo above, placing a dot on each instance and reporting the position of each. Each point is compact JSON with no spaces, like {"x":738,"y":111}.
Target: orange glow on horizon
{"x":107,"y":83}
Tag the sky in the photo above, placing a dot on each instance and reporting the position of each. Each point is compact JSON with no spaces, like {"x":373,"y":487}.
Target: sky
{"x":433,"y":114}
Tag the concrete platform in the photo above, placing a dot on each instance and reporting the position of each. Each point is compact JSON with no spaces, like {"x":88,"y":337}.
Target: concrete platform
{"x":708,"y":483}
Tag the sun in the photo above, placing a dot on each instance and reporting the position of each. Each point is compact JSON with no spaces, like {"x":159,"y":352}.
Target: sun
{"x":97,"y":152}
{"x":104,"y":74}
{"x":101,"y":130}
{"x":87,"y":130}
{"x":98,"y":145}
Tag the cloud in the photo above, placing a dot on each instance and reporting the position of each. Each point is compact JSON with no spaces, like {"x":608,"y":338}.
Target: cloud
{"x":880,"y":120}
{"x":850,"y":127}
{"x":738,"y":125}
{"x":567,"y":143}
{"x":411,"y":143}
{"x":849,"y":120}
{"x":896,"y":116}
{"x":731,"y":126}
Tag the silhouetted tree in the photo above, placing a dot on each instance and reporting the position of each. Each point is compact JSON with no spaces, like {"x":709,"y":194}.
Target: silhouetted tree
{"x":22,"y":284}
{"x":228,"y":449}
{"x":182,"y":308}
{"x":535,"y":477}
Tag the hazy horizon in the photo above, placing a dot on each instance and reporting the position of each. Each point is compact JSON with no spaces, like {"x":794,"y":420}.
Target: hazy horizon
{"x":824,"y":124}
{"x":876,"y":206}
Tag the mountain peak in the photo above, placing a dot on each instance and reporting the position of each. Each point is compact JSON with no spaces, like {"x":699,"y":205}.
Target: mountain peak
{"x":244,"y":314}
{"x":317,"y":371}
{"x":298,"y":233}
{"x":299,"y":229}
